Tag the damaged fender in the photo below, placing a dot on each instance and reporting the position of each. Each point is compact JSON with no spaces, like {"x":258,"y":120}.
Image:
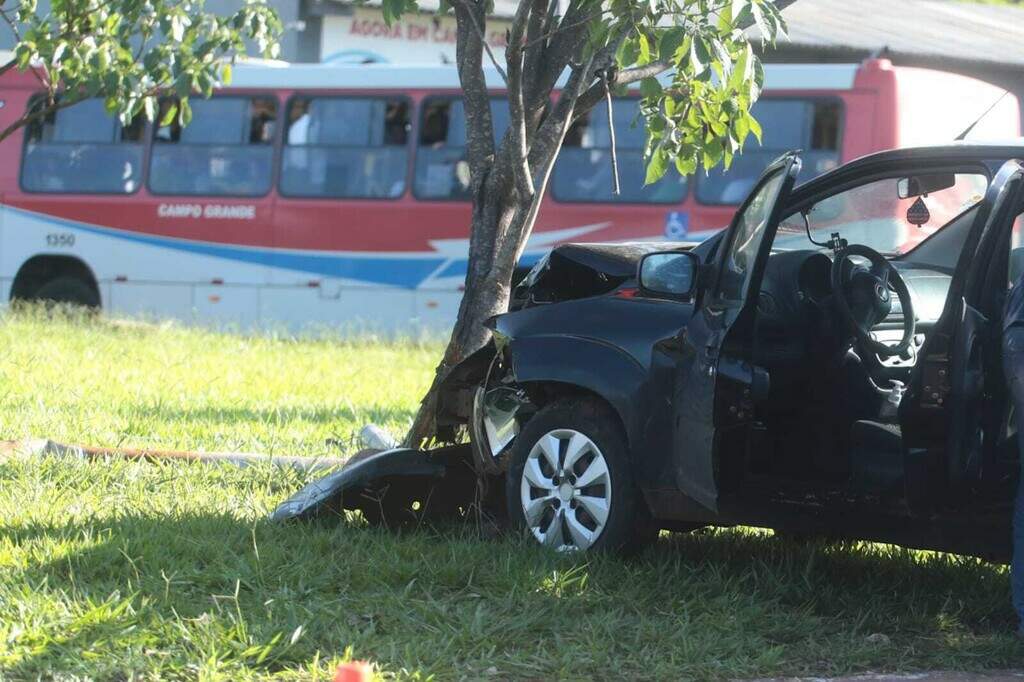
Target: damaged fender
{"x":392,"y":488}
{"x":495,"y":423}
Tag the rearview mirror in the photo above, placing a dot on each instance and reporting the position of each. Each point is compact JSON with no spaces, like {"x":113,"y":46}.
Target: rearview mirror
{"x":669,"y":273}
{"x":917,"y":185}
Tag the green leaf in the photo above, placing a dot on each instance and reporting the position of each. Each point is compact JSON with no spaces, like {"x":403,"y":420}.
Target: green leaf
{"x":58,"y":52}
{"x":755,"y":128}
{"x":656,"y":166}
{"x":24,"y":56}
{"x":738,"y":9}
{"x":650,"y":88}
{"x":759,"y":20}
{"x":178,"y":27}
{"x":671,"y":41}
{"x":712,"y":154}
{"x":700,"y":57}
{"x":645,"y":50}
{"x":686,"y":165}
{"x":170,"y":114}
{"x":741,"y":70}
{"x":628,"y":52}
{"x":184,"y":112}
{"x":742,"y":126}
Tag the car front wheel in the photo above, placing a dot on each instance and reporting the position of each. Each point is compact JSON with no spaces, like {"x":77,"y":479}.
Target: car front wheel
{"x":569,"y":483}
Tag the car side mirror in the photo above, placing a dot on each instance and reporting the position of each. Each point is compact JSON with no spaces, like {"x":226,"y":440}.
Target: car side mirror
{"x":918,"y":185}
{"x":669,"y":273}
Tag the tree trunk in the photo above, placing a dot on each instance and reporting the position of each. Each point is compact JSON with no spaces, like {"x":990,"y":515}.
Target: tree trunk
{"x":508,"y":183}
{"x":487,"y":291}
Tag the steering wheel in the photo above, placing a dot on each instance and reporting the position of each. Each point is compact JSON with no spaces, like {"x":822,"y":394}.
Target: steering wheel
{"x":864,"y":297}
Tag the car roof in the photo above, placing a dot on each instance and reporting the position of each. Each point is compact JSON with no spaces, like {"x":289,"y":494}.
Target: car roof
{"x":980,"y":149}
{"x":966,"y":150}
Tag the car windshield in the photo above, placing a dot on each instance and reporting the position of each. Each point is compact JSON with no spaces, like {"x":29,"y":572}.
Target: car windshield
{"x":892,"y":215}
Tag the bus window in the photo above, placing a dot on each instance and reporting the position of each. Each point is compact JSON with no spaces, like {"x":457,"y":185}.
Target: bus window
{"x":810,"y":125}
{"x":346,"y":148}
{"x":226,"y":150}
{"x":583,"y":172}
{"x":82,"y":149}
{"x":442,"y":145}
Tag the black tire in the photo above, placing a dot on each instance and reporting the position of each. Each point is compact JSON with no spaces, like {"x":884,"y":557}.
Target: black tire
{"x":628,"y":527}
{"x":68,"y":290}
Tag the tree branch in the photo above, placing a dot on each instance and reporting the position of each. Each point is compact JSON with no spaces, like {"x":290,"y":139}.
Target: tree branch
{"x":517,"y":112}
{"x":540,"y":16}
{"x":564,"y":46}
{"x":589,"y":99}
{"x":564,"y":26}
{"x":543,"y":154}
{"x":469,"y":57}
{"x":483,"y":41}
{"x":39,"y":112}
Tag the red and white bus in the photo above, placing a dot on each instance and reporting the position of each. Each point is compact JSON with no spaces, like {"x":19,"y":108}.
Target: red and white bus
{"x":328,"y":195}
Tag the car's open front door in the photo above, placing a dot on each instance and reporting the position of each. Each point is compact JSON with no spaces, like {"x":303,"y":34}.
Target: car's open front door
{"x":952,"y":412}
{"x":715,"y":382}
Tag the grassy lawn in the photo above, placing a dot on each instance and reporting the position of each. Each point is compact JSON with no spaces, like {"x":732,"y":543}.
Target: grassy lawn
{"x":127,"y":570}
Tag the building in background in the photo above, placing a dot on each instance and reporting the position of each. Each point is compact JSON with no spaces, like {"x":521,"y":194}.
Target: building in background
{"x":353,"y":34}
{"x":974,"y":39}
{"x":980,"y":40}
{"x":344,"y":31}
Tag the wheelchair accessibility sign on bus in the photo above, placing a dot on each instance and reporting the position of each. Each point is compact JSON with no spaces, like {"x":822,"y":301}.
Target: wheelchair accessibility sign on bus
{"x":677,"y":225}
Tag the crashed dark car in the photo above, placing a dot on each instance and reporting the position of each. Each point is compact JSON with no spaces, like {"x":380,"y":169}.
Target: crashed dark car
{"x":829,"y":364}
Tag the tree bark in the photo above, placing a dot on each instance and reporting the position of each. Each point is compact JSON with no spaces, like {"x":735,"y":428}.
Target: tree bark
{"x":487,"y":292}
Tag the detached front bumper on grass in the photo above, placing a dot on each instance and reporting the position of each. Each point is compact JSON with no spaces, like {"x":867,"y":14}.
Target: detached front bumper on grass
{"x":394,"y":488}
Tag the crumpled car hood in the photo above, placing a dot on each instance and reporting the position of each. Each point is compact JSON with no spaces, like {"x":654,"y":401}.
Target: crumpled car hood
{"x":574,"y":271}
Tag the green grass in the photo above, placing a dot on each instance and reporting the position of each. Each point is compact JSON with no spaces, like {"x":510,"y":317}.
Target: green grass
{"x":125,"y":570}
{"x":137,"y":385}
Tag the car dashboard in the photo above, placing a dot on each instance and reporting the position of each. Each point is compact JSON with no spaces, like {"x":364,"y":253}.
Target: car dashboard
{"x":795,"y":304}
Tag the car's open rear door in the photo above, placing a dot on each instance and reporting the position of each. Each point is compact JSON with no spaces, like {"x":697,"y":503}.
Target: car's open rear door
{"x":951,"y":411}
{"x":714,"y":380}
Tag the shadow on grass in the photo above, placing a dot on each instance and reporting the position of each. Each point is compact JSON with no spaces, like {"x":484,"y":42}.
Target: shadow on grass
{"x":160,"y":596}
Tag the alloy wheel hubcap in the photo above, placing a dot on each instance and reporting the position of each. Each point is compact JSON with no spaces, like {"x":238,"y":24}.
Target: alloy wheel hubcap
{"x":566,"y":490}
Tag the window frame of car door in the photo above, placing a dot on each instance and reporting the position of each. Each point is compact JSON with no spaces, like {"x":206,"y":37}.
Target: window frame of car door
{"x":939,"y":474}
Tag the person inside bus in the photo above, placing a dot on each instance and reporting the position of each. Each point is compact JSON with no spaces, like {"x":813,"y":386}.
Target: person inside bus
{"x":299,"y":160}
{"x":590,"y":170}
{"x":393,"y":154}
{"x":262,"y":121}
{"x":438,"y":179}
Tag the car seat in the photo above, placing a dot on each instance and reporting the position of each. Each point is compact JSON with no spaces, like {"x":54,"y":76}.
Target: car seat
{"x":876,"y":457}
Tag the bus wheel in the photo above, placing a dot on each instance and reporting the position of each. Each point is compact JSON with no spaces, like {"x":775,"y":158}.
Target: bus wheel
{"x":69,"y":290}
